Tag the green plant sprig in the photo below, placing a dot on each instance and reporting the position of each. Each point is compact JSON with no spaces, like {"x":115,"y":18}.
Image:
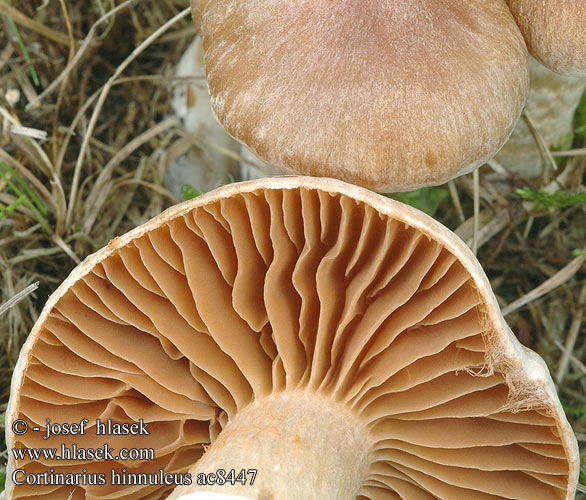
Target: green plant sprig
{"x":23,"y":49}
{"x":24,"y":197}
{"x":189,"y":192}
{"x":548,"y":201}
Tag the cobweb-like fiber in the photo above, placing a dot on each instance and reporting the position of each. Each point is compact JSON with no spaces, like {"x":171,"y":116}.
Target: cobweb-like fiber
{"x":280,"y":290}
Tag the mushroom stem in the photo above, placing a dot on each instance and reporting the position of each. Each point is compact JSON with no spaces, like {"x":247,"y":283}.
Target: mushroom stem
{"x":551,"y":103}
{"x":301,"y":444}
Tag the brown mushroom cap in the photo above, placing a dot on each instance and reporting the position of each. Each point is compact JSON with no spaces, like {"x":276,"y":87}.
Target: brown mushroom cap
{"x":389,"y":95}
{"x":555,"y":32}
{"x":289,"y":288}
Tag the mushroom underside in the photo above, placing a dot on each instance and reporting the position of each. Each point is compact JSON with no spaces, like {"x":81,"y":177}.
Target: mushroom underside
{"x":268,"y":294}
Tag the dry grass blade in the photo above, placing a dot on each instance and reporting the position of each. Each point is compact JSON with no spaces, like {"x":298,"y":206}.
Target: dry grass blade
{"x":18,"y":297}
{"x":79,"y":54}
{"x":6,"y":115}
{"x":92,"y":124}
{"x":199,"y":141}
{"x":36,"y":152}
{"x":572,"y":337}
{"x":153,"y":187}
{"x":28,"y":132}
{"x":88,"y":103}
{"x":19,"y":18}
{"x":493,"y":221}
{"x":69,"y":29}
{"x":490,"y":224}
{"x":570,"y":152}
{"x":497,"y":167}
{"x":547,"y":286}
{"x":456,"y":200}
{"x":26,"y":255}
{"x":543,"y":148}
{"x":106,"y":172}
{"x":575,"y":361}
{"x":66,"y":248}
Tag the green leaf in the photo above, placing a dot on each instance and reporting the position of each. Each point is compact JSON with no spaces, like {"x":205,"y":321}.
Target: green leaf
{"x":425,"y":199}
{"x":189,"y":192}
{"x":579,"y":253}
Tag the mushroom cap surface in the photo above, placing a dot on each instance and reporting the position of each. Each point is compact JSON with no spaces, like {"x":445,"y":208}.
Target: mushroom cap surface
{"x":555,"y":32}
{"x":389,"y":95}
{"x":285,"y":285}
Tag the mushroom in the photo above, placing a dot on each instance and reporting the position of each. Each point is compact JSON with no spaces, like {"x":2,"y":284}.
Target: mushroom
{"x":391,"y":96}
{"x":208,"y":164}
{"x":555,"y":32}
{"x":338,"y":342}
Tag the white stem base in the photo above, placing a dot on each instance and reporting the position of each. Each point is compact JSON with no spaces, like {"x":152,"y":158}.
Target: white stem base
{"x":302,"y":446}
